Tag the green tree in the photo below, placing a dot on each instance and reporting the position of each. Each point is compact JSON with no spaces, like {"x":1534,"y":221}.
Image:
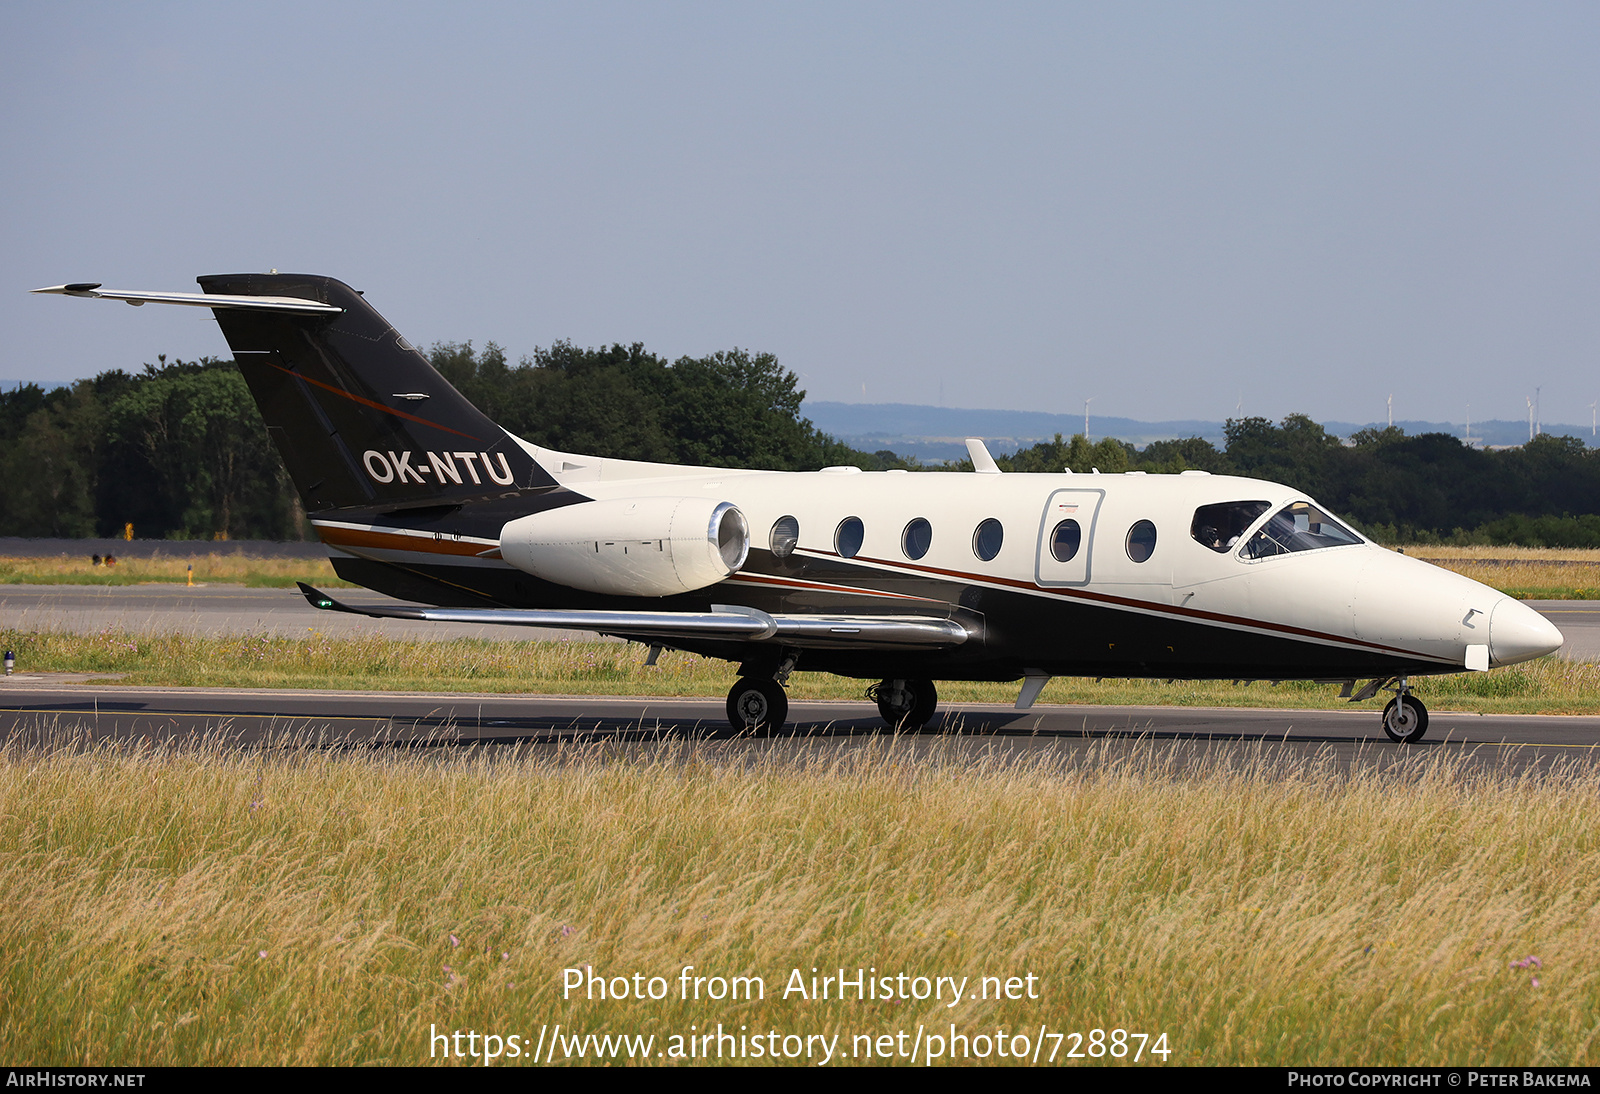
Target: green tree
{"x":1298,"y":453}
{"x":738,"y":409}
{"x":192,"y":457}
{"x":1107,"y":455}
{"x":48,"y":474}
{"x":1190,"y":453}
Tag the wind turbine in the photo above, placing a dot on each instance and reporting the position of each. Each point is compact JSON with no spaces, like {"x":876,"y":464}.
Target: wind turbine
{"x":1086,"y":403}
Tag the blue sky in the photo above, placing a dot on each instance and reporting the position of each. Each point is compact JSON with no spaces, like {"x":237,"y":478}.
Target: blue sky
{"x":1174,"y":209}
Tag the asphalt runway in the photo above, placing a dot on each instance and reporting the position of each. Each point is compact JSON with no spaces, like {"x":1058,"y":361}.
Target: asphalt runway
{"x":40,"y":708}
{"x":1579,"y":623}
{"x":41,"y":712}
{"x":225,"y":610}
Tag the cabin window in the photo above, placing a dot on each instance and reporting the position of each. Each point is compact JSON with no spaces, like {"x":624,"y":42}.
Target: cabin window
{"x":785,"y":534}
{"x":1220,"y":526}
{"x":917,"y":538}
{"x":986,"y":540}
{"x":1141,"y":541}
{"x":1298,"y":527}
{"x":847,"y":539}
{"x":1065,"y":540}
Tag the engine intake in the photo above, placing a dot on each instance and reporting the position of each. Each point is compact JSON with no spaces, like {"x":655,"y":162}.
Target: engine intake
{"x":631,"y":546}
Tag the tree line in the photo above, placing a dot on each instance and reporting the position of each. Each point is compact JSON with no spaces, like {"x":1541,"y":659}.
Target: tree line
{"x":179,"y":451}
{"x":1427,"y":488}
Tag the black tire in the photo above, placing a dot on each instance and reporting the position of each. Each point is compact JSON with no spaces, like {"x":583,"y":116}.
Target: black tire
{"x":913,"y":706}
{"x":1405,"y":719}
{"x":757,"y":702}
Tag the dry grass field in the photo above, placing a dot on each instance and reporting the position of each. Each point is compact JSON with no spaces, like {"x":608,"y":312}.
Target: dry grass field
{"x":215,"y":568}
{"x":207,"y":906}
{"x":1527,"y":573}
{"x":288,"y":905}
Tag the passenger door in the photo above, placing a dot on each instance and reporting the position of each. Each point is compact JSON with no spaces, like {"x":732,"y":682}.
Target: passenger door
{"x":1080,"y":507}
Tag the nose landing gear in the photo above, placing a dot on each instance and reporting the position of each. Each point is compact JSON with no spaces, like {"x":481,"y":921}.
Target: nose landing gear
{"x":1405,"y":719}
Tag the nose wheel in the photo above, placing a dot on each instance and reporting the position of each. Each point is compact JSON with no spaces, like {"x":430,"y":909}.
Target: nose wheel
{"x":1405,"y":719}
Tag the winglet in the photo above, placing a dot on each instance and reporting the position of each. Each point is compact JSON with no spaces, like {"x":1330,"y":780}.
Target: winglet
{"x":320,"y":599}
{"x":77,"y":288}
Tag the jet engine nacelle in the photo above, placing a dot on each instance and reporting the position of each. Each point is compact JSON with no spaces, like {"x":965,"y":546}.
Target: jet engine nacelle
{"x":631,"y":546}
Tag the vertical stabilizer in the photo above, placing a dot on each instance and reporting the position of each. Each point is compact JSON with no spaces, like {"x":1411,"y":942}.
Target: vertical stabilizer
{"x":360,"y":416}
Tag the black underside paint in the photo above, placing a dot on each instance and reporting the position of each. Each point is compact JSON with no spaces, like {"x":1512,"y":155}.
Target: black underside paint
{"x":1015,"y":632}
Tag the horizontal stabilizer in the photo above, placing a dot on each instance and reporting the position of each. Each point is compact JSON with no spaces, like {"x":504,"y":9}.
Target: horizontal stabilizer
{"x":293,"y":304}
{"x":727,"y":624}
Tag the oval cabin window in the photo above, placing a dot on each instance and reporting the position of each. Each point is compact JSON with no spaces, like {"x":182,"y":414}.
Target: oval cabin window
{"x":785,"y":534}
{"x":917,"y":538}
{"x":1065,"y":540}
{"x":847,"y":540}
{"x":1142,"y":541}
{"x":987,"y":539}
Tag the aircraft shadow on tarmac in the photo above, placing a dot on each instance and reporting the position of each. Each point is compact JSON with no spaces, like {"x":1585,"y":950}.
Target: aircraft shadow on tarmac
{"x":93,"y":721}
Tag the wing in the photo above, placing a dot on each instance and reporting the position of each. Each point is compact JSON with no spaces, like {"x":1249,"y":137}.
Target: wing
{"x":723,"y":622}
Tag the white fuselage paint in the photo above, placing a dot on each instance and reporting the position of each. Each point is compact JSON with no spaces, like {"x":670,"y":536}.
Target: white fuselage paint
{"x":1360,"y":595}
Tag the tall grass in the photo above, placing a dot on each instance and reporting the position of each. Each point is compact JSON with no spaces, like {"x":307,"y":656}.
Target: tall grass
{"x":1528,"y":573}
{"x":219,"y":907}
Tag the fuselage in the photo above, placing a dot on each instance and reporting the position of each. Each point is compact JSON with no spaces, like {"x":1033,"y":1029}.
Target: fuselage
{"x":1138,"y":594}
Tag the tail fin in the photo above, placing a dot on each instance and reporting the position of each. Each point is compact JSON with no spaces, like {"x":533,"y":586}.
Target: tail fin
{"x":360,"y":416}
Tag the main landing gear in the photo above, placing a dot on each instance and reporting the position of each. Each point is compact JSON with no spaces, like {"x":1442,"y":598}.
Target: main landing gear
{"x":905,"y":704}
{"x":1405,"y":719}
{"x":757,"y":700}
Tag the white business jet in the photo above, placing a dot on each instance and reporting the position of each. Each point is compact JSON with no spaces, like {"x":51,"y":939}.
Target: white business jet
{"x":888,"y":576}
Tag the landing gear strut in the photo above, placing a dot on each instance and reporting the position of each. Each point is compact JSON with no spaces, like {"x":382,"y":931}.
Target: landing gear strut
{"x":905,"y":704}
{"x":1405,"y":719}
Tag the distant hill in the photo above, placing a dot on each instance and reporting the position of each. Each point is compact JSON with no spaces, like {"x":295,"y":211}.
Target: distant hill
{"x":938,"y":433}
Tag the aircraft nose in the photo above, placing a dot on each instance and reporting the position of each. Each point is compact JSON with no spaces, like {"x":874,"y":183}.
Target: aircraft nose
{"x":1518,"y":633}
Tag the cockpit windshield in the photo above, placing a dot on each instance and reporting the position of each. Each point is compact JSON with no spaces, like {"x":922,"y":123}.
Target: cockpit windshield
{"x":1220,"y":526}
{"x":1300,"y":526}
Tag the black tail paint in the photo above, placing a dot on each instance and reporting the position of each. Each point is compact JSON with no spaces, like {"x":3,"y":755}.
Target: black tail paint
{"x":361,"y":417}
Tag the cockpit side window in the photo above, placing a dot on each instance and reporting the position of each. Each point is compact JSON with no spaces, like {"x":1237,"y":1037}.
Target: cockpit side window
{"x":1220,"y":526}
{"x":1298,"y":527}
